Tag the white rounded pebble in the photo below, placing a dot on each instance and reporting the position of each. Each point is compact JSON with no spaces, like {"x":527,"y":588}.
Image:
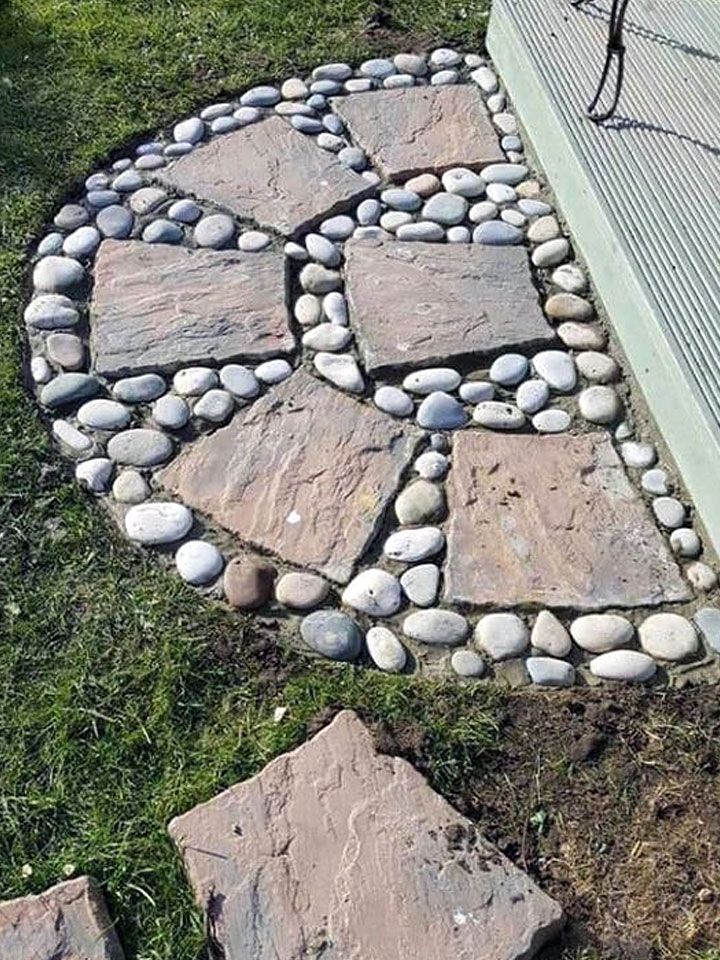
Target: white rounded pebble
{"x":598,"y":632}
{"x":501,"y":635}
{"x":597,"y":367}
{"x":467,"y":663}
{"x":315,"y":278}
{"x":394,"y":401}
{"x":637,"y":454}
{"x":656,"y":483}
{"x":171,"y":412}
{"x":139,"y":389}
{"x":431,"y":465}
{"x":240,"y":381}
{"x":103,"y":414}
{"x":184,"y":211}
{"x":549,"y":672}
{"x":95,"y":474}
{"x":483,"y":212}
{"x":668,"y":636}
{"x":570,"y":278}
{"x":189,"y":131}
{"x":307,"y":310}
{"x":435,"y":626}
{"x":273,"y":371}
{"x":75,"y":442}
{"x":410,"y":546}
{"x":215,"y":406}
{"x":509,"y":369}
{"x":424,"y":382}
{"x":263,"y":96}
{"x":551,"y":421}
{"x":335,"y":308}
{"x":532,"y":395}
{"x":550,"y":636}
{"x":445,"y":208}
{"x":337,"y":228}
{"x":40,"y":370}
{"x":500,"y":193}
{"x":600,"y":404}
{"x":496,"y":415}
{"x":475,"y":391}
{"x":327,"y":336}
{"x":322,"y":250}
{"x":340,"y":369}
{"x":685,"y":542}
{"x":486,"y":79}
{"x":557,"y":369}
{"x":422,"y":231}
{"x":701,"y":576}
{"x":669,"y":512}
{"x":82,"y":242}
{"x":509,"y":173}
{"x":214,"y":231}
{"x":252,"y":241}
{"x":130,"y":487}
{"x":551,"y":252}
{"x":375,"y":592}
{"x":458,"y":235}
{"x":627,"y":665}
{"x":421,"y":584}
{"x":464,"y":182}
{"x":193,"y":381}
{"x":55,"y":274}
{"x":158,"y":523}
{"x":198,"y":562}
{"x":386,"y":651}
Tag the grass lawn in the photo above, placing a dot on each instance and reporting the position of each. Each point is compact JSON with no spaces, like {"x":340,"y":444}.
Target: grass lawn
{"x":124,"y":699}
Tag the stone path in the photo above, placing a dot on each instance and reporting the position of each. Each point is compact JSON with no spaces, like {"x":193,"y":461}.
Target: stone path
{"x":328,"y":348}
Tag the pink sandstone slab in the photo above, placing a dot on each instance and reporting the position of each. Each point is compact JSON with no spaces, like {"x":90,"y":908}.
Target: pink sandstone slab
{"x":161,"y":307}
{"x":414,"y":303}
{"x":66,"y":922}
{"x":306,"y":472}
{"x":408,"y":131}
{"x":337,"y":852}
{"x":552,"y":521}
{"x":270,"y":173}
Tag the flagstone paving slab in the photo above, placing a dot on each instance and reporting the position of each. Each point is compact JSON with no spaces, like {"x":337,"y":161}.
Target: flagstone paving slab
{"x":287,"y":864}
{"x":158,"y":307}
{"x":269,"y":173}
{"x":410,"y":131}
{"x":415,"y":303}
{"x":306,"y":473}
{"x":67,"y":922}
{"x":551,"y":520}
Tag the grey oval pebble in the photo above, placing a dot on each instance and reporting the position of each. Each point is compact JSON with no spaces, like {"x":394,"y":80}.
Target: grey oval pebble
{"x":467,"y":663}
{"x":549,"y":672}
{"x":171,"y":412}
{"x":628,"y":665}
{"x":332,"y":634}
{"x":410,"y":546}
{"x":198,"y":562}
{"x":436,"y":626}
{"x":158,"y":523}
{"x":301,"y":591}
{"x":386,"y":651}
{"x":103,"y":414}
{"x":67,"y":388}
{"x":140,"y":447}
{"x":394,"y":401}
{"x":140,"y":389}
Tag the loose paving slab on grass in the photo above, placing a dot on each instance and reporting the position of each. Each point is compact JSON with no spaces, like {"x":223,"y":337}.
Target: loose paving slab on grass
{"x":268,"y":173}
{"x":408,"y":131}
{"x":159,"y":307}
{"x":551,"y":521}
{"x":339,"y":851}
{"x":422,"y":303}
{"x":67,"y":922}
{"x":305,"y":473}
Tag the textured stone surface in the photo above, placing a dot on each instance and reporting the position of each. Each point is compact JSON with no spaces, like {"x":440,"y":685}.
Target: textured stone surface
{"x":268,"y":173}
{"x":426,"y":128}
{"x":161,"y":307}
{"x":287,"y":864}
{"x":306,"y":473}
{"x":67,"y":922}
{"x":413,"y":303}
{"x":551,"y":520}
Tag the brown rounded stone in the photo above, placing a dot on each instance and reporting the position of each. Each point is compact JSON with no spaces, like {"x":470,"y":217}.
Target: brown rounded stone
{"x":568,"y":306}
{"x":301,"y":591}
{"x":248,"y":583}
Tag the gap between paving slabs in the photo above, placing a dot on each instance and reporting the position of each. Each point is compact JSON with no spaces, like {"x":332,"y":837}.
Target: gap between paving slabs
{"x":392,"y":325}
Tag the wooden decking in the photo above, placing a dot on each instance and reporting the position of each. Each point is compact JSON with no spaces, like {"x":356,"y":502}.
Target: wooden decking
{"x":641,"y":194}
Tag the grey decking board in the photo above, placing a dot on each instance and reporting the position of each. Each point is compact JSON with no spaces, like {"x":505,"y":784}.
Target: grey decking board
{"x":549,"y":55}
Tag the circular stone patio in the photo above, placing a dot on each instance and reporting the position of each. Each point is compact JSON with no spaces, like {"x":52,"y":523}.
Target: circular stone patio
{"x":327,"y":346}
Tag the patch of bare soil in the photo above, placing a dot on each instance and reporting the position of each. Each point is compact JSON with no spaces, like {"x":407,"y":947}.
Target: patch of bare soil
{"x":612,"y":803}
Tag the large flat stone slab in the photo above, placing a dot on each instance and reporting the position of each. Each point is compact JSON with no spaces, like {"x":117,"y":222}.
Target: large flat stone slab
{"x":66,"y":922}
{"x":412,"y":303}
{"x":269,"y":173}
{"x":307,"y":473}
{"x":336,"y":851}
{"x":408,"y":131}
{"x":552,"y":521}
{"x":160,"y":307}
